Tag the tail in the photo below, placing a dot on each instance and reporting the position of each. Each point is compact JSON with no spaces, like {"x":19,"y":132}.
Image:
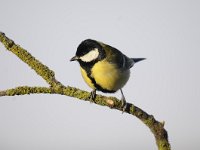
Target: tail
{"x":138,"y":59}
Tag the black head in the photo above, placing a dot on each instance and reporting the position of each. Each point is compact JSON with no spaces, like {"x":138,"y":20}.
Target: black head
{"x":89,"y":51}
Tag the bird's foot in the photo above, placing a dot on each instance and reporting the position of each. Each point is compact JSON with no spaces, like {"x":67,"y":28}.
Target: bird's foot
{"x":124,"y":104}
{"x":92,"y":96}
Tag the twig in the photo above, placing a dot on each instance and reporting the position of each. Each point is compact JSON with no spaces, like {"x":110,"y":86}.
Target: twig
{"x":56,"y":87}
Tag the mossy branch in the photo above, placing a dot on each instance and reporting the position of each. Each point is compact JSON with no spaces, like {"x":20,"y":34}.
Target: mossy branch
{"x":56,"y":87}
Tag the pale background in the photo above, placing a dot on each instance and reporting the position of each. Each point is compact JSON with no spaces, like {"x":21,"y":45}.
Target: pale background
{"x":166,"y":85}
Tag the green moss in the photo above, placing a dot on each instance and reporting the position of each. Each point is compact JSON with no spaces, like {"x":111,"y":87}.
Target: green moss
{"x":163,"y":145}
{"x":132,"y":109}
{"x":149,"y":121}
{"x":27,"y":90}
{"x":25,"y":56}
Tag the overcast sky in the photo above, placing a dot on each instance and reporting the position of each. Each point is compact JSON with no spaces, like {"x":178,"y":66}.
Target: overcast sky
{"x":166,"y":85}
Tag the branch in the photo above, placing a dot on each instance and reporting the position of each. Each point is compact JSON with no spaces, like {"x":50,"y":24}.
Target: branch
{"x":56,"y":87}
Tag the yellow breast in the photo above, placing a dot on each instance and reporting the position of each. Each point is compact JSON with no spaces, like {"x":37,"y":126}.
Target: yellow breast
{"x":108,"y":77}
{"x":87,"y":79}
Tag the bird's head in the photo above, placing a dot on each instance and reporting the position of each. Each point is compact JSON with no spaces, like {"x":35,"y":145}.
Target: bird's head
{"x":89,"y":51}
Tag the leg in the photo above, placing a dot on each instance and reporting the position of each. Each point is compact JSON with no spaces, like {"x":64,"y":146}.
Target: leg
{"x":123,"y":101}
{"x":93,"y":95}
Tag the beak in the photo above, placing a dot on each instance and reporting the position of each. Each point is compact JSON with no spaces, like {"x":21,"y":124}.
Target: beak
{"x":74,"y":58}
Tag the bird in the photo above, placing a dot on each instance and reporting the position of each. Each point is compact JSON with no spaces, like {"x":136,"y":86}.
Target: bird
{"x":104,"y":68}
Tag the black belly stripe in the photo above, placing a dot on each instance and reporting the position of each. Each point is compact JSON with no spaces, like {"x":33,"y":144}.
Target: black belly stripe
{"x":98,"y":87}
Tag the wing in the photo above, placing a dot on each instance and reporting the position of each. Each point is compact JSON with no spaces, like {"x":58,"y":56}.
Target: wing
{"x":118,"y":58}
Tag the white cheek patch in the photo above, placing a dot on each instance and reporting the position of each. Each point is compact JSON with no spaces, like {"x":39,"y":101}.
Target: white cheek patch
{"x":90,"y":56}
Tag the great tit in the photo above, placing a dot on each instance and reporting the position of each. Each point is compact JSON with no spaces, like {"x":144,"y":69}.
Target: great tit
{"x":103,"y":67}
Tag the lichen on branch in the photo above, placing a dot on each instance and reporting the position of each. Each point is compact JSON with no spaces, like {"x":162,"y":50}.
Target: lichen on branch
{"x":55,"y":87}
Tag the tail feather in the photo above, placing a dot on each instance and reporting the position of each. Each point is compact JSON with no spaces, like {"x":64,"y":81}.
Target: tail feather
{"x":138,"y":59}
